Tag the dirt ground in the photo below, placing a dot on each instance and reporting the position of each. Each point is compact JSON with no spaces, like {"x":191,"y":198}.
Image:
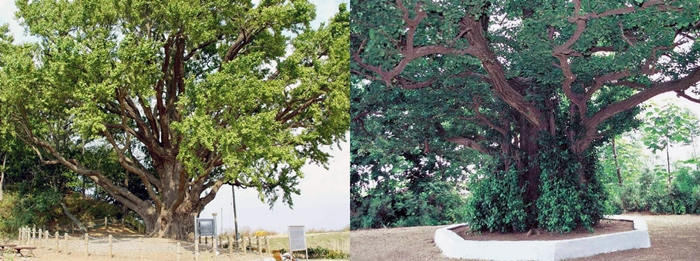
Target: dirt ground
{"x":672,"y":238}
{"x":131,"y":248}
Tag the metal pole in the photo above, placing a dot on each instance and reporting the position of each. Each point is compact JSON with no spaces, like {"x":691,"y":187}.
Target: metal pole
{"x":235,"y":217}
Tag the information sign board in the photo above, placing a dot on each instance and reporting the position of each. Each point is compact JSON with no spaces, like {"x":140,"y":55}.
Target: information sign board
{"x":297,"y":238}
{"x":206,"y":226}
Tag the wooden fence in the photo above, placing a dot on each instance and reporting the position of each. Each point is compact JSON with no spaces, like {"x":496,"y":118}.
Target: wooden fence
{"x":133,"y":247}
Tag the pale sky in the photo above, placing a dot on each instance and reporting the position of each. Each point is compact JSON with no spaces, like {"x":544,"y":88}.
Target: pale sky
{"x":325,"y":194}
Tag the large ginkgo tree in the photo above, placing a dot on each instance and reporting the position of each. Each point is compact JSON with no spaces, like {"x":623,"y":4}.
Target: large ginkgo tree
{"x":189,"y":95}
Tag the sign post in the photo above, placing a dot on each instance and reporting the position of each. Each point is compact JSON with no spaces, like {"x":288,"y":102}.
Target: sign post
{"x":297,"y":240}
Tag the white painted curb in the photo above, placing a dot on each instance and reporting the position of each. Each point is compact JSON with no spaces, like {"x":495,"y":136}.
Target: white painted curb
{"x":454,"y":246}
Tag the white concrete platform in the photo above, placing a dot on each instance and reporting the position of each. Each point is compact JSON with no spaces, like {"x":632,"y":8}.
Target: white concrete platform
{"x":452,"y":245}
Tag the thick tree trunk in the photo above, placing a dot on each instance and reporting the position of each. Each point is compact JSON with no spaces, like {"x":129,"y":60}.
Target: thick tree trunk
{"x":530,"y":172}
{"x":171,"y":223}
{"x":172,"y":215}
{"x":533,"y":140}
{"x":179,"y":225}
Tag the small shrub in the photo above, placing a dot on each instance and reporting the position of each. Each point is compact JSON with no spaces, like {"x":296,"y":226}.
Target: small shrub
{"x":496,"y":203}
{"x":320,"y":253}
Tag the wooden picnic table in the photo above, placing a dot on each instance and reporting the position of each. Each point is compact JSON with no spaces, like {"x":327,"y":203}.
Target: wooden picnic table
{"x":20,"y":248}
{"x":2,"y":249}
{"x":3,"y":246}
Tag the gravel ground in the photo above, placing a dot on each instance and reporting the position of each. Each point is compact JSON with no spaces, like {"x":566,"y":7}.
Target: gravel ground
{"x":131,"y":248}
{"x":673,"y":237}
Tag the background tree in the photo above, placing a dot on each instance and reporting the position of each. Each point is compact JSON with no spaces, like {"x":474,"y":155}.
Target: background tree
{"x":401,"y":174}
{"x":621,"y":173}
{"x":669,"y":125}
{"x":665,"y":126}
{"x":188,"y":96}
{"x":537,"y":85}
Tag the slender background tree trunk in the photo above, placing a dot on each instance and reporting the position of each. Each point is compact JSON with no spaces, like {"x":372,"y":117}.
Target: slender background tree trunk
{"x":2,"y":173}
{"x":668,"y":170}
{"x":73,"y":218}
{"x":617,"y":165}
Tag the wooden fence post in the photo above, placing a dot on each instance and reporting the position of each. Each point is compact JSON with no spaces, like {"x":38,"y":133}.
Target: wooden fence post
{"x":110,"y":247}
{"x":87,"y":253}
{"x":245,"y":247}
{"x":46,"y":238}
{"x":179,"y":251}
{"x":34,"y":235}
{"x":257,"y":242}
{"x":40,"y":236}
{"x":65,"y":242}
{"x":267,"y":245}
{"x":56,"y":242}
{"x":105,"y":222}
{"x":230,"y":246}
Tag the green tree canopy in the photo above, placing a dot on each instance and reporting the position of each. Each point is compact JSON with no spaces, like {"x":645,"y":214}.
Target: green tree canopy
{"x":190,"y":95}
{"x":534,"y":84}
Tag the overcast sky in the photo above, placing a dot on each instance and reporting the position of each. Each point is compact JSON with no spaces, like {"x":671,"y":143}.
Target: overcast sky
{"x":325,"y":194}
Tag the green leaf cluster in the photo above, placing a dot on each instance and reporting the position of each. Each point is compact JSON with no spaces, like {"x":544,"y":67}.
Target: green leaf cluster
{"x":496,"y":202}
{"x":668,"y":125}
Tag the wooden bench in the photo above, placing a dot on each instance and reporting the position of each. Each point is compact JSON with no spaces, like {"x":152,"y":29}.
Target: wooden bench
{"x":20,"y":248}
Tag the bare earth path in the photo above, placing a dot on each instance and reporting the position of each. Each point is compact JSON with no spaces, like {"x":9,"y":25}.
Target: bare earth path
{"x":672,"y":238}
